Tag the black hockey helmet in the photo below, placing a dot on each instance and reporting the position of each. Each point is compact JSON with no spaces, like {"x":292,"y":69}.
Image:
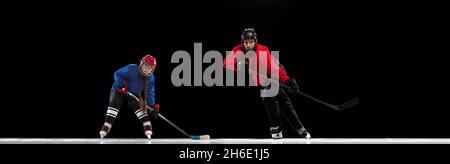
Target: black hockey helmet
{"x":248,"y":33}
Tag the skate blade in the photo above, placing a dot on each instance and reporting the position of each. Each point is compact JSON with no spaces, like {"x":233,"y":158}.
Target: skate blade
{"x":308,"y":136}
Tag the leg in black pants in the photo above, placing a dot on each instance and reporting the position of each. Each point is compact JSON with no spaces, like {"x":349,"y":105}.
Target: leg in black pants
{"x":288,"y":112}
{"x":273,"y":112}
{"x":143,"y":117}
{"x":115,"y":102}
{"x":282,"y":105}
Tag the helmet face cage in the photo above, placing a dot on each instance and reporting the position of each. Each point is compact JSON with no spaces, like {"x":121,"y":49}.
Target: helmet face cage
{"x":248,"y":33}
{"x":140,"y":68}
{"x":149,"y":61}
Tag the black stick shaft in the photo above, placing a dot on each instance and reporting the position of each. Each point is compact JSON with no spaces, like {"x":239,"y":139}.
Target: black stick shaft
{"x":319,"y":101}
{"x":173,"y":125}
{"x":162,"y":117}
{"x":303,"y":94}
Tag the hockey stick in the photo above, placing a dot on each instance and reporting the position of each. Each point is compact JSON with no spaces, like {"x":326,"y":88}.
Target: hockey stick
{"x":194,"y":137}
{"x":350,"y":103}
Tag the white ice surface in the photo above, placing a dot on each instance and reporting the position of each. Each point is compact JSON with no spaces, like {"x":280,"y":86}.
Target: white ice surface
{"x":226,"y":141}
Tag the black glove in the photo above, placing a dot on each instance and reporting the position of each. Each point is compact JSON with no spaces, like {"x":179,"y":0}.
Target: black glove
{"x":292,"y":87}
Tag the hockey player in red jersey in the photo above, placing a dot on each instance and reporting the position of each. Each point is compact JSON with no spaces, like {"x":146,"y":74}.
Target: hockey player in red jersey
{"x":138,"y":80}
{"x":276,"y":106}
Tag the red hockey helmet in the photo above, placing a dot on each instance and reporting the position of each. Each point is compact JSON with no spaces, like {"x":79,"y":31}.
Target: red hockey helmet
{"x":149,"y":60}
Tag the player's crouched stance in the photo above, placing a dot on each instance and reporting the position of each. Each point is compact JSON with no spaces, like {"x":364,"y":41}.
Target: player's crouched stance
{"x":138,"y":80}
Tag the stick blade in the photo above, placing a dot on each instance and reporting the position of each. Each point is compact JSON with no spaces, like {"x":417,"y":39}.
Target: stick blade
{"x":201,"y":137}
{"x":349,"y":104}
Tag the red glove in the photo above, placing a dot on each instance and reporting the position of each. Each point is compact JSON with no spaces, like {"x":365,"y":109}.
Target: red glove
{"x":155,"y":112}
{"x":123,"y":90}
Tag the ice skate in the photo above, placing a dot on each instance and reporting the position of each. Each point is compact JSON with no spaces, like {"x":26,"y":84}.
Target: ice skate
{"x":148,"y":130}
{"x":105,"y":130}
{"x":276,"y":132}
{"x":304,"y":133}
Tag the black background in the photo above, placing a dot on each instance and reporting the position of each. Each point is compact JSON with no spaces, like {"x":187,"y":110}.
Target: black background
{"x":64,"y":58}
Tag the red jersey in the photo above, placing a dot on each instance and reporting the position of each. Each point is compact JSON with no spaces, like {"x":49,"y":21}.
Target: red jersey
{"x":262,"y":56}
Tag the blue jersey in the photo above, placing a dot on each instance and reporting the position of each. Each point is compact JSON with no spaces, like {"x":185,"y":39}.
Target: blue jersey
{"x":130,"y":76}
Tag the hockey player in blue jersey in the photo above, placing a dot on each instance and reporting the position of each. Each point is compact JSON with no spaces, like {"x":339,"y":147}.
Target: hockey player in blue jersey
{"x":138,"y":80}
